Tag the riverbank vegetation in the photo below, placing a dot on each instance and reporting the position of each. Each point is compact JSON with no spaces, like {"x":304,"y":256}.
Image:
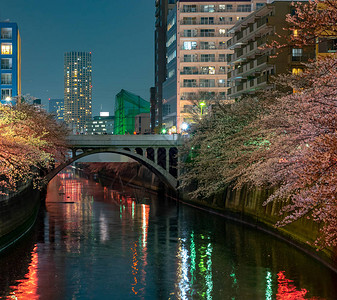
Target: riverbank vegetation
{"x":284,"y":139}
{"x":31,"y":140}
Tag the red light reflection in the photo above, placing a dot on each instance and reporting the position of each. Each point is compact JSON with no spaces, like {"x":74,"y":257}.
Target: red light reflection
{"x":287,"y":290}
{"x":27,"y":287}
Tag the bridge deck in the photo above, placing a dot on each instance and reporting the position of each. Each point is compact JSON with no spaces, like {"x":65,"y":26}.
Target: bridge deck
{"x":157,"y":140}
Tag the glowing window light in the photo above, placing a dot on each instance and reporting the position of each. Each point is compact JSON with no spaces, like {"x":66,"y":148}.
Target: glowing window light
{"x":6,"y":49}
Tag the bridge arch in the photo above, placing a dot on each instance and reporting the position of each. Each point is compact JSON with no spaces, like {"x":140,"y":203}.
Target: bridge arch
{"x":162,"y":174}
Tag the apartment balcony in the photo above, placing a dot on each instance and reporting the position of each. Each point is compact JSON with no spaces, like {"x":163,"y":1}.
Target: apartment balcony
{"x":249,"y":52}
{"x":216,"y":10}
{"x":249,"y":86}
{"x":254,"y":30}
{"x":254,"y":66}
{"x":190,"y":60}
{"x":203,"y":35}
{"x":202,"y":73}
{"x":208,"y":96}
{"x":205,"y":47}
{"x":197,"y":22}
{"x":205,"y":85}
{"x":189,"y":72}
{"x":183,"y":60}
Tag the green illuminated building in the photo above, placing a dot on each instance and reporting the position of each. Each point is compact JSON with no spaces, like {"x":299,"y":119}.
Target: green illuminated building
{"x":127,"y":107}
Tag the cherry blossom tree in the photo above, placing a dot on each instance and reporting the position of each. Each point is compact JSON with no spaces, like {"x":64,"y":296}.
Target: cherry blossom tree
{"x":30,"y":140}
{"x":302,"y":154}
{"x":278,"y":139}
{"x":312,"y":20}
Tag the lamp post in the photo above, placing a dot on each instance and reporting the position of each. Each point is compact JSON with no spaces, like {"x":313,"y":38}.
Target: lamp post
{"x":8,"y":100}
{"x":202,"y":104}
{"x":184,"y":126}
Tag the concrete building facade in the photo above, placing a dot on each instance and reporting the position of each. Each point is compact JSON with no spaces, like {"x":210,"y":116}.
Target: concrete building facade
{"x":77,"y":90}
{"x":142,"y":123}
{"x":253,"y":65}
{"x":197,"y":35}
{"x":100,"y":125}
{"x":10,"y":55}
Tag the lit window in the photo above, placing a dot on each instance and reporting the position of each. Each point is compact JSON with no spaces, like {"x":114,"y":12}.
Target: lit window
{"x":297,"y":52}
{"x":6,"y":48}
{"x":297,"y":71}
{"x":189,"y":45}
{"x":207,"y":8}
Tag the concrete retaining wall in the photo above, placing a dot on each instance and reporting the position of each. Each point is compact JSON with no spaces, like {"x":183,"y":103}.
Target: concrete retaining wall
{"x":17,"y":215}
{"x":246,"y":205}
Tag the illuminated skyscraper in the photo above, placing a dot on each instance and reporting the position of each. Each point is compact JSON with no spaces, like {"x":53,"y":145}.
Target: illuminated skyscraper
{"x":77,"y":90}
{"x":56,"y":107}
{"x":10,"y":55}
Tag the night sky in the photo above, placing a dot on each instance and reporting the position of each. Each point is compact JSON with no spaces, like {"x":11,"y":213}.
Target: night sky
{"x":119,"y":33}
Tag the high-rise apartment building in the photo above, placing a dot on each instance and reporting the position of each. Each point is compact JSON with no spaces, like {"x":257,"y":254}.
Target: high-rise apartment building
{"x":253,"y":65}
{"x":56,"y":107}
{"x":77,"y":90}
{"x":197,"y":35}
{"x":10,"y":56}
{"x":163,"y":7}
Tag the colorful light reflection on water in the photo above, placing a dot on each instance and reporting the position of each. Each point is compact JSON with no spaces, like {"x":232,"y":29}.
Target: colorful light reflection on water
{"x":103,"y":243}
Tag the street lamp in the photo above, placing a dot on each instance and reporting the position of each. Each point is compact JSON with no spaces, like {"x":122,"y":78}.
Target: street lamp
{"x":8,"y":100}
{"x":202,"y":104}
{"x":184,"y":126}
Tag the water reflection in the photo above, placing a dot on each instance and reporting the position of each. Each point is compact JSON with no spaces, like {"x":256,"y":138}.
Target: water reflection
{"x":97,"y":242}
{"x":27,"y":288}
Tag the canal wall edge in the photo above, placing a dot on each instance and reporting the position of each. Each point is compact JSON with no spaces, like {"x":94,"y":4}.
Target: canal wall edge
{"x":246,"y":206}
{"x":18,"y":214}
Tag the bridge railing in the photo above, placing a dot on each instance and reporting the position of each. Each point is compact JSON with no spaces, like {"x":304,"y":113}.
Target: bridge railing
{"x":126,"y":140}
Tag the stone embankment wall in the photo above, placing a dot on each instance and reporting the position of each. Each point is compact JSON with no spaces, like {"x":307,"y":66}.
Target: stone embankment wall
{"x":246,"y":205}
{"x":18,"y":213}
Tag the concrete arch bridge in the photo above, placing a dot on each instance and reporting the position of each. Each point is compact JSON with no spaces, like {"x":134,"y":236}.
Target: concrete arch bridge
{"x":159,"y":153}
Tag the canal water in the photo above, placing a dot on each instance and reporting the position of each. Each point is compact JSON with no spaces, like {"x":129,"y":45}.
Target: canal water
{"x":95,"y":242}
